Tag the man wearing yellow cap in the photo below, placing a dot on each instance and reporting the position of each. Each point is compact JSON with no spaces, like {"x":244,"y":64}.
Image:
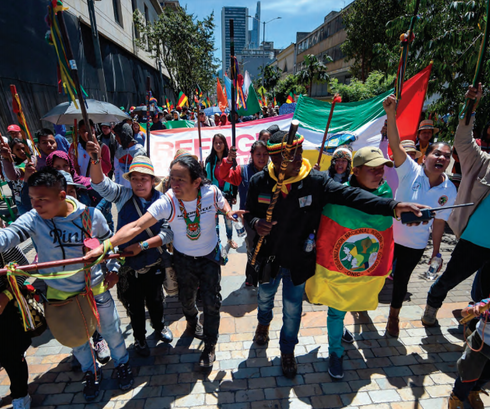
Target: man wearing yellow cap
{"x":287,"y":252}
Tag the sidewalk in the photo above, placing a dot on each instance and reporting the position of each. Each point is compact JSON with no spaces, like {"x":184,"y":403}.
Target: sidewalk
{"x":417,"y":370}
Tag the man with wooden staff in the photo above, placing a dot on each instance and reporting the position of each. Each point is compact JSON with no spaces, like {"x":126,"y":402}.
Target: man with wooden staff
{"x":287,"y":254}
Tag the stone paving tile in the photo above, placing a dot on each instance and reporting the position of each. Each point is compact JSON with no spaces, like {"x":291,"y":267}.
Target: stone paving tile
{"x":417,"y":370}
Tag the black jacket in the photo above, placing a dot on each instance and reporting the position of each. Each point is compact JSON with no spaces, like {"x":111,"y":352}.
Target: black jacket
{"x":298,"y":215}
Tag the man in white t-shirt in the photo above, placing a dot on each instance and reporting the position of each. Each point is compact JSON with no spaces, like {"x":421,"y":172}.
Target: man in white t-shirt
{"x":425,"y":184}
{"x":190,"y":207}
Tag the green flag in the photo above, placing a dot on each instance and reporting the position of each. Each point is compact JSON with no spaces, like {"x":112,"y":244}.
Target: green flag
{"x":253,"y":105}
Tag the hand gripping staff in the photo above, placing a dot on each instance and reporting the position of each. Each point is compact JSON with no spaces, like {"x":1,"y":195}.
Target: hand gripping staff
{"x":287,"y":154}
{"x":470,"y":103}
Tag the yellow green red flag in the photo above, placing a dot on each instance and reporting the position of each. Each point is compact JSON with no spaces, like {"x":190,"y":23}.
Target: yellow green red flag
{"x":354,"y":256}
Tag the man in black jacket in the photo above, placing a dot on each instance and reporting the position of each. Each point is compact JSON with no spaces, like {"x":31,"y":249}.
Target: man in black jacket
{"x":304,"y":193}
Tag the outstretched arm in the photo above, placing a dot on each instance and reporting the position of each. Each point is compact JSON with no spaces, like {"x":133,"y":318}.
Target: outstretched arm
{"x":399,"y":154}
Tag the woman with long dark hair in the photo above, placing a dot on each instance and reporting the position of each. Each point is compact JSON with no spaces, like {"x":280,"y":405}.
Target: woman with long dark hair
{"x":219,"y":151}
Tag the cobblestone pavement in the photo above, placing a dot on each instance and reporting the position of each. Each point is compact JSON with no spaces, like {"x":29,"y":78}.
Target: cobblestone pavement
{"x":416,"y":370}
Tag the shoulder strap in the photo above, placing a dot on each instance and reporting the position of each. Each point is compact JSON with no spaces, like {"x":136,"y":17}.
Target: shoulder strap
{"x":87,"y":222}
{"x":150,"y":233}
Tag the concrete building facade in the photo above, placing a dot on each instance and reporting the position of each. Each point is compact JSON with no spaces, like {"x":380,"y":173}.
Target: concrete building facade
{"x":285,"y":60}
{"x":324,"y":41}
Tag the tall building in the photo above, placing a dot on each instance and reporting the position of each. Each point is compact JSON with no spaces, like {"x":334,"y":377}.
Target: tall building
{"x":255,"y":32}
{"x":239,"y":16}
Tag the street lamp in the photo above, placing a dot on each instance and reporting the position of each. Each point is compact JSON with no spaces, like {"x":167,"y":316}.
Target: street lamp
{"x":267,"y":22}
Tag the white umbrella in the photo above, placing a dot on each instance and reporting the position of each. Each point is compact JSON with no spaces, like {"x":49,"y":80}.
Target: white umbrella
{"x":98,"y":111}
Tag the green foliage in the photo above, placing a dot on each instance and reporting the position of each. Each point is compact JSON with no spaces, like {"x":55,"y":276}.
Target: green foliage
{"x":270,"y":76}
{"x":285,"y":86}
{"x":367,"y":40}
{"x":377,"y":83}
{"x":449,"y":33}
{"x":313,"y":70}
{"x":184,"y":44}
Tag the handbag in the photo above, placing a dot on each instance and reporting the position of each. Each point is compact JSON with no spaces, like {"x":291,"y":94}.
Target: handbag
{"x":170,"y":282}
{"x":73,"y":321}
{"x":36,"y":310}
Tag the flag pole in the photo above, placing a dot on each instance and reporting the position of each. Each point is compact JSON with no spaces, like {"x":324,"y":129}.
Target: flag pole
{"x":233,"y":75}
{"x":199,"y":131}
{"x":74,"y":75}
{"x":148,"y":91}
{"x":336,"y":99}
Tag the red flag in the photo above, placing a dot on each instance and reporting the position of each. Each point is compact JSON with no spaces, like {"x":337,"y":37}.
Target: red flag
{"x":410,"y":106}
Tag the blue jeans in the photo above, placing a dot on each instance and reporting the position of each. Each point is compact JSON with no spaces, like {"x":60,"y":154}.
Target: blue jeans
{"x":292,"y":307}
{"x":110,"y":329}
{"x":335,"y":328}
{"x":228,"y":226}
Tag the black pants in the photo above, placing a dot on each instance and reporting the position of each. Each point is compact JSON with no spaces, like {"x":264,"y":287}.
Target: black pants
{"x":405,"y":260}
{"x":465,"y":260}
{"x":473,"y":368}
{"x":14,"y":342}
{"x":146,"y":288}
{"x":199,"y":272}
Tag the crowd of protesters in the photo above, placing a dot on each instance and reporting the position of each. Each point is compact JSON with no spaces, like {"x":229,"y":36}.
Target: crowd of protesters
{"x":64,"y":194}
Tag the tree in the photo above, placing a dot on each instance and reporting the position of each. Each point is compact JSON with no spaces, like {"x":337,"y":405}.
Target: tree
{"x":313,"y":70}
{"x":184,"y":44}
{"x":376,"y":83}
{"x":449,"y":34}
{"x":285,"y":86}
{"x":270,"y":75}
{"x":367,"y":40}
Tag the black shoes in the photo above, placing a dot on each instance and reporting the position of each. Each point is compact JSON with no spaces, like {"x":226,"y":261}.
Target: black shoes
{"x":166,"y":335}
{"x":142,"y":348}
{"x":335,"y":366}
{"x":92,"y":385}
{"x":289,"y":365}
{"x":208,"y":356}
{"x":124,"y":377}
{"x":195,"y":329}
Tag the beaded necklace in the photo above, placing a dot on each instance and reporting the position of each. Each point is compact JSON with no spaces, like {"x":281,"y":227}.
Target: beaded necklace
{"x":193,"y":228}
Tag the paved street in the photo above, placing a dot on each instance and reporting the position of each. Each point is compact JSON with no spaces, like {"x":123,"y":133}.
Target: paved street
{"x":417,"y":370}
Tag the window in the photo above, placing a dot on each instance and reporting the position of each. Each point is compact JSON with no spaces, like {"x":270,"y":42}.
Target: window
{"x":117,"y":12}
{"x":147,"y":15}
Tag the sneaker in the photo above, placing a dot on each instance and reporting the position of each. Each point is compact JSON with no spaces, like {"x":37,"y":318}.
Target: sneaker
{"x":208,"y":356}
{"x":475,"y":400}
{"x":170,"y":282}
{"x":347,"y":336}
{"x":335,"y":368}
{"x":289,"y":365}
{"x":92,"y":385}
{"x":429,"y":318}
{"x":454,"y":402}
{"x":195,"y":329}
{"x":22,"y":403}
{"x":142,"y":348}
{"x":124,"y":376}
{"x":261,"y":334}
{"x":102,"y":351}
{"x":166,"y":335}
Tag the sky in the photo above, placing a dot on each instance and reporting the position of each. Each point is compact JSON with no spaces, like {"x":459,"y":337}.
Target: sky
{"x":296,"y":16}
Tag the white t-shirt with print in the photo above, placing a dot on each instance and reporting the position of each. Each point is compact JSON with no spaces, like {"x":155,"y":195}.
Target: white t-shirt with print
{"x":167,"y":207}
{"x":414,"y":187}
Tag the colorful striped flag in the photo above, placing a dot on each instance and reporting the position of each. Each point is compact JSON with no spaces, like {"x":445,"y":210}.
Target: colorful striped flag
{"x":182,"y":99}
{"x":290,"y":98}
{"x":198,"y":91}
{"x":354,"y":256}
{"x":208,"y":102}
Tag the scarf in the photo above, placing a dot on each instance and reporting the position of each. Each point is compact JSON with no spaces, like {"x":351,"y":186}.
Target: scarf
{"x":286,"y":185}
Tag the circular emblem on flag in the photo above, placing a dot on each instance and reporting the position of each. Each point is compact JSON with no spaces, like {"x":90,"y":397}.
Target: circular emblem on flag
{"x":358,"y":252}
{"x":442,"y":200}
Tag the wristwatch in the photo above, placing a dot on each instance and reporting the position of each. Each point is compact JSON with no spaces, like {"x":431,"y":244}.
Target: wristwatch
{"x":144,"y":245}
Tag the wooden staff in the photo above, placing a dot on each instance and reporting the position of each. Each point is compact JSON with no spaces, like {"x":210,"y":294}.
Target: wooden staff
{"x":233,"y":75}
{"x":58,"y":263}
{"x":24,"y":129}
{"x":199,"y":131}
{"x":148,"y":92}
{"x":74,"y":74}
{"x":469,"y":317}
{"x":336,"y":99}
{"x":286,"y":159}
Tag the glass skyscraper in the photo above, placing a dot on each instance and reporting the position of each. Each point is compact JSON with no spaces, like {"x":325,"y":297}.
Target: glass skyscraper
{"x":239,"y":16}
